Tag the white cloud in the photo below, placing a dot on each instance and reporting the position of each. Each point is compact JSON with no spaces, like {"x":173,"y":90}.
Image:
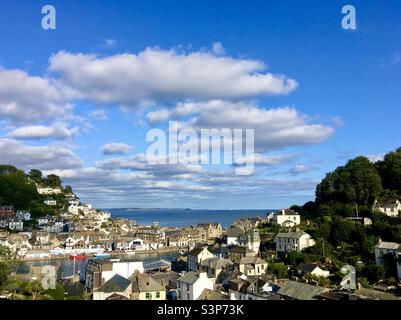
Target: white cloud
{"x":28,"y":99}
{"x":376,"y":157}
{"x":300,"y":168}
{"x":108,"y":44}
{"x":274,"y":128}
{"x":99,"y":115}
{"x":115,"y":148}
{"x":158,"y":75}
{"x":41,"y":157}
{"x":218,"y":49}
{"x":56,"y":131}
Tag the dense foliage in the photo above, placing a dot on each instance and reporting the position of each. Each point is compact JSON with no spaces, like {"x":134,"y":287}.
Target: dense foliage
{"x":19,"y":190}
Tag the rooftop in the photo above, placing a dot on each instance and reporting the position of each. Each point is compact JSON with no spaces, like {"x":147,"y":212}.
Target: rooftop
{"x":190,"y":277}
{"x":116,"y":284}
{"x":300,"y":291}
{"x":388,"y":245}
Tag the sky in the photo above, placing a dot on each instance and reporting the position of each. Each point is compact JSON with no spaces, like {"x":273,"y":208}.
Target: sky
{"x":79,"y":101}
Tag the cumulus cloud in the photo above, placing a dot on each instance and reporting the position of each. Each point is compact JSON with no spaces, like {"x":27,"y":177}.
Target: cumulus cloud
{"x":115,"y":148}
{"x":218,"y":48}
{"x":56,"y":131}
{"x":41,"y":157}
{"x":274,"y":128}
{"x":29,"y":99}
{"x":155,"y":74}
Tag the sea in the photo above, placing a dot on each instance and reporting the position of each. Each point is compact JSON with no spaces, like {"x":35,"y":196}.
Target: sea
{"x":184,"y":217}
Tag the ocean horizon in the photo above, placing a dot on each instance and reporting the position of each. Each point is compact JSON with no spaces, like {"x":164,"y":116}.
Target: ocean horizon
{"x":184,"y":217}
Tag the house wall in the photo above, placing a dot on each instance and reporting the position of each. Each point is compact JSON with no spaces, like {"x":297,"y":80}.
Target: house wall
{"x":280,"y":219}
{"x":124,"y":269}
{"x":153,"y":294}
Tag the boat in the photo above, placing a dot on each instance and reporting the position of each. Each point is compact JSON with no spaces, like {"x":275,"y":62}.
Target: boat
{"x":77,"y":257}
{"x":102,"y":255}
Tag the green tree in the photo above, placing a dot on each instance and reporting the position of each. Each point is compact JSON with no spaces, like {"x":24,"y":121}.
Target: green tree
{"x":36,"y":175}
{"x":390,"y":171}
{"x":279,"y":269}
{"x":358,"y":182}
{"x":53,"y":181}
{"x":7,"y":262}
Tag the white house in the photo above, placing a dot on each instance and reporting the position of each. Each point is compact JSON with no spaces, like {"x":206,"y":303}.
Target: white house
{"x":287,"y":218}
{"x":116,"y":285}
{"x":192,"y":284}
{"x":292,"y":241}
{"x":16,"y":225}
{"x":47,"y":191}
{"x":252,"y":266}
{"x":99,"y":271}
{"x":233,"y":235}
{"x":50,"y":202}
{"x":196,"y":256}
{"x":23,"y":215}
{"x":393,"y":248}
{"x":304,"y":269}
{"x":392,"y":209}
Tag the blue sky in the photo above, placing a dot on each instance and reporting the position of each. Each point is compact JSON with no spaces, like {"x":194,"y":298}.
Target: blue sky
{"x":69,"y":92}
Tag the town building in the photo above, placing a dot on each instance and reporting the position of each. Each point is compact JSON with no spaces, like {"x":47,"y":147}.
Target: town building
{"x":117,"y":284}
{"x":50,"y":202}
{"x":196,"y":256}
{"x":7,"y":212}
{"x":250,"y":240}
{"x":304,"y":269}
{"x":99,"y":271}
{"x":213,"y":230}
{"x":294,"y":290}
{"x":48,"y":191}
{"x":287,"y":218}
{"x":23,"y":215}
{"x":252,"y":266}
{"x":144,"y":287}
{"x":392,"y":209}
{"x":393,"y":248}
{"x":16,"y":225}
{"x":191,"y":285}
{"x":292,"y":241}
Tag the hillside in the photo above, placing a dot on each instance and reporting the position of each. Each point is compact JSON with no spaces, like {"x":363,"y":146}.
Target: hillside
{"x":19,"y":189}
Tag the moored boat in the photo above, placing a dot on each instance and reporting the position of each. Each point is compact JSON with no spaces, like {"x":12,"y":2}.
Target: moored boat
{"x":77,"y":257}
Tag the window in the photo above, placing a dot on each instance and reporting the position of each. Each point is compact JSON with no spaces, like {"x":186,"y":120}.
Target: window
{"x":187,"y":287}
{"x":147,"y":295}
{"x":158,"y":295}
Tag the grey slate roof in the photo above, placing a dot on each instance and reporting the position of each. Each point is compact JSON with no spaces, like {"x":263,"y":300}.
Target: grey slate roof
{"x":190,"y":277}
{"x":292,"y":235}
{"x":300,"y":291}
{"x":145,"y":283}
{"x":306,"y":267}
{"x":195,"y":251}
{"x":116,"y":284}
